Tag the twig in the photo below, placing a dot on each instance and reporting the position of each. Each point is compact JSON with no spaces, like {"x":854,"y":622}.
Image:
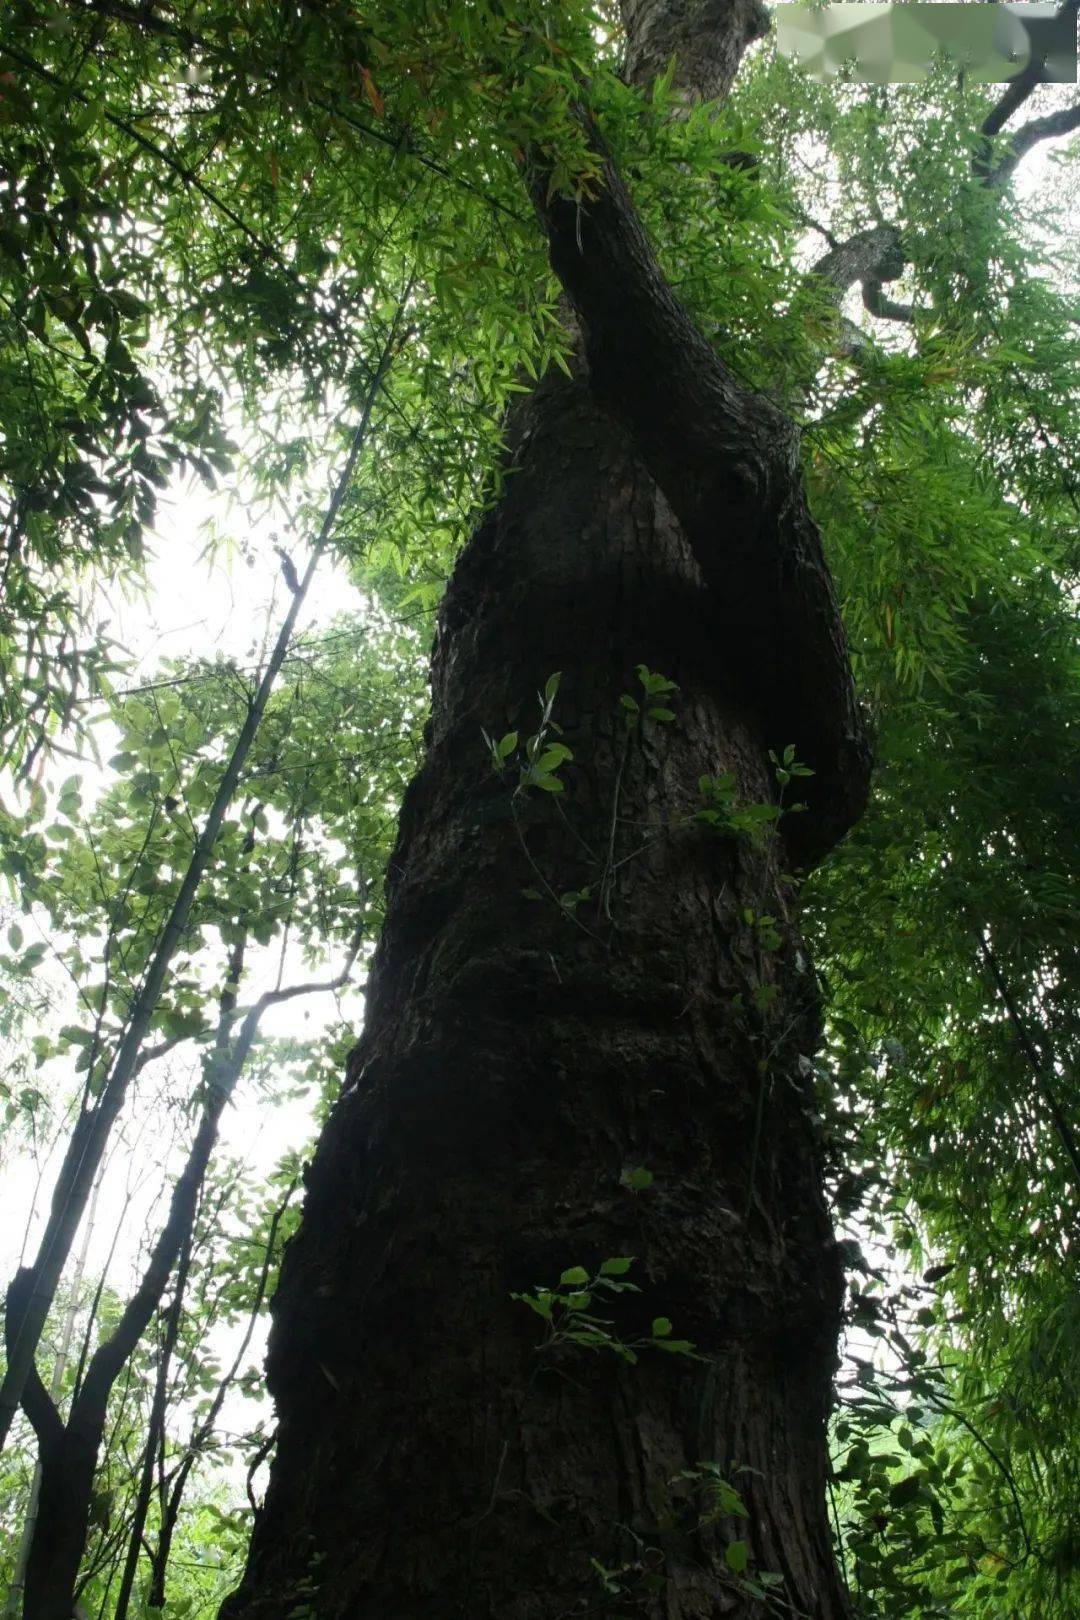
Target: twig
{"x":606,"y":877}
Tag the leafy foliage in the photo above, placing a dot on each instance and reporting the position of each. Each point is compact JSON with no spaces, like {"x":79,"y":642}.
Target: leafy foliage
{"x":210,"y":216}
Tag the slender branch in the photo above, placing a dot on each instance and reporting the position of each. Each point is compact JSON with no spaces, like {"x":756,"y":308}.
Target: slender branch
{"x":565,"y":910}
{"x":93,"y":1129}
{"x":609,"y":863}
{"x":999,"y":1462}
{"x":1021,"y":87}
{"x":838,"y":1533}
{"x":271,"y":998}
{"x":150,"y":1054}
{"x":156,"y":1425}
{"x":95,"y":1303}
{"x":203,"y":1430}
{"x":155,"y":1430}
{"x":1031,"y":1052}
{"x":1061,"y":122}
{"x":266,"y":1445}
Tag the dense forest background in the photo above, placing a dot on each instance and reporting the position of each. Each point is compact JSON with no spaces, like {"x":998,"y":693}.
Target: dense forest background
{"x":269,"y":281}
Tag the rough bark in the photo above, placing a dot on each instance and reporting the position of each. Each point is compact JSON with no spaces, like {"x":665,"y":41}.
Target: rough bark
{"x":706,"y":39}
{"x":431,"y":1461}
{"x":871,"y":257}
{"x":727,"y":461}
{"x":512,"y":1065}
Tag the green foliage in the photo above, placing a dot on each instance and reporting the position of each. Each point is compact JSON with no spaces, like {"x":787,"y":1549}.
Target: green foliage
{"x":309,"y":829}
{"x":210,"y":213}
{"x":133,"y":277}
{"x":565,"y":1311}
{"x":653,"y":686}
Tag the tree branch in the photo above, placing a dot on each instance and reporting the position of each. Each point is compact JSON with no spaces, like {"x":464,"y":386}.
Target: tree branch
{"x":1017,"y":93}
{"x":201,"y":1431}
{"x":271,"y":998}
{"x":38,"y":1404}
{"x":1021,"y":87}
{"x":93,"y":1130}
{"x":875,"y":252}
{"x":871,"y":257}
{"x":880,"y":304}
{"x":727,"y":461}
{"x":1061,"y":122}
{"x":1038,"y":129}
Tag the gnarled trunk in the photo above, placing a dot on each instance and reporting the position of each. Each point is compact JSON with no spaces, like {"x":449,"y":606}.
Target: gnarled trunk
{"x":513,"y":1064}
{"x":520,"y":1055}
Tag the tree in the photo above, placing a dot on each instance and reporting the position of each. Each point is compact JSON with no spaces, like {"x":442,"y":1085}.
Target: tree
{"x":100,"y":890}
{"x":517,"y":1075}
{"x":513,"y":1070}
{"x":558,"y":1330}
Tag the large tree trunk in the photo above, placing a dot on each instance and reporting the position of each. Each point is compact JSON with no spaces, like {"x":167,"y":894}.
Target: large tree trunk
{"x":433,"y":1459}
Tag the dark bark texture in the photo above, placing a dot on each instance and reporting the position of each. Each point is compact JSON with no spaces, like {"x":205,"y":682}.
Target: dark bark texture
{"x":705,"y":38}
{"x":433,"y":1460}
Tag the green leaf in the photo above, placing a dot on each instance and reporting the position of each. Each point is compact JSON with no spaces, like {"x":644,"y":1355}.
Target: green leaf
{"x":907,"y":1490}
{"x":636,"y":1177}
{"x":655,"y":685}
{"x":736,"y":1556}
{"x":573,"y":1277}
{"x":538,"y":1303}
{"x":554,"y":756}
{"x":616,"y":1267}
{"x":74,"y":1036}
